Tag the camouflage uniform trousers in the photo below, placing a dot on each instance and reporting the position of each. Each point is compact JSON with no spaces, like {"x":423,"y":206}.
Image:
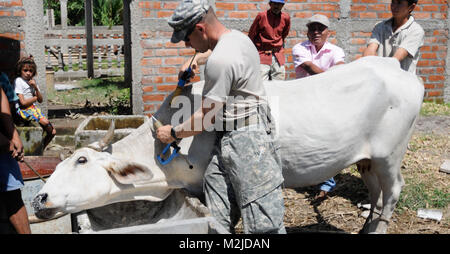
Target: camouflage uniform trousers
{"x":244,"y":179}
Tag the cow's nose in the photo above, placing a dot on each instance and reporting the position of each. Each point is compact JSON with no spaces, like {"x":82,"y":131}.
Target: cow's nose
{"x":40,"y":209}
{"x":39,"y":201}
{"x":41,"y":198}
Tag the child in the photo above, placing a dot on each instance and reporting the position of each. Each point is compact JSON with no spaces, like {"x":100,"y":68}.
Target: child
{"x":28,"y":93}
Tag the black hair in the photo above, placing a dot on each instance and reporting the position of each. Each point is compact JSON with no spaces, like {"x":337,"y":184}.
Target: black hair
{"x":22,"y":62}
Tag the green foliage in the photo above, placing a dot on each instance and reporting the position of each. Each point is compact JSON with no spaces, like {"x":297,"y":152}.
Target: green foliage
{"x":108,"y":12}
{"x":105,"y":12}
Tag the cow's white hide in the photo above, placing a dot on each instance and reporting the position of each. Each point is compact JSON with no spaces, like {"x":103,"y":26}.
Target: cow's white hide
{"x":361,"y":111}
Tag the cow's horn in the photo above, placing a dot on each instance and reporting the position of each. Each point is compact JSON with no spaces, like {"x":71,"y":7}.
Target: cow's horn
{"x":109,"y":135}
{"x":99,"y":145}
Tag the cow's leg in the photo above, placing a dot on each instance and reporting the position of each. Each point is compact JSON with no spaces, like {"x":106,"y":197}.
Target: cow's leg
{"x":391,"y":182}
{"x":376,"y":202}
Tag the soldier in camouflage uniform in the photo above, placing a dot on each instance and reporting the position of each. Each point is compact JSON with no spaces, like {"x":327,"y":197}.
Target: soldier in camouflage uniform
{"x":244,"y":176}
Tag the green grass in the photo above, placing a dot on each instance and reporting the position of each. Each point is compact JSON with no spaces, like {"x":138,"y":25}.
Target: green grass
{"x":434,"y":109}
{"x":100,"y":92}
{"x":417,"y":195}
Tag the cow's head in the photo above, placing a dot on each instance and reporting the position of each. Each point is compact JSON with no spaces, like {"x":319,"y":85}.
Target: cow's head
{"x":92,"y":178}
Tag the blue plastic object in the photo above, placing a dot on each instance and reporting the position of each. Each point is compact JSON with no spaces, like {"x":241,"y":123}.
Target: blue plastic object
{"x":176,"y":148}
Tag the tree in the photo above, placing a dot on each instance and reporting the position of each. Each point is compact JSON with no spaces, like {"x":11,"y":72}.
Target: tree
{"x":105,"y":12}
{"x":108,"y":12}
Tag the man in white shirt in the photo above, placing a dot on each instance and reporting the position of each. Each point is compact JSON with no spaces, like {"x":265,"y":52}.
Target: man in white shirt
{"x":400,"y":36}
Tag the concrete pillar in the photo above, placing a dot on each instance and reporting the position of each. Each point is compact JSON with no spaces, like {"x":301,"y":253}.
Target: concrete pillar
{"x":35,"y":43}
{"x":51,"y":18}
{"x":63,"y":7}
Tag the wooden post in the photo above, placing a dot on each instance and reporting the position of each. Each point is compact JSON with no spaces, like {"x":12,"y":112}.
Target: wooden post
{"x":127,"y":47}
{"x":89,"y":39}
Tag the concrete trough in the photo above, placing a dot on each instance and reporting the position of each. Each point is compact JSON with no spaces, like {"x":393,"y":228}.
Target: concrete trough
{"x":32,"y":139}
{"x":180,"y":213}
{"x":95,"y":128}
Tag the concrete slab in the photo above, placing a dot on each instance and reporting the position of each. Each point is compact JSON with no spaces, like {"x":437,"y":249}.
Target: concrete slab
{"x":445,"y":167}
{"x":64,"y":87}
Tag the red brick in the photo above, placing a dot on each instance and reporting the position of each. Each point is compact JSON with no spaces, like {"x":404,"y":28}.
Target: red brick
{"x":148,"y":52}
{"x":166,"y":52}
{"x":358,"y":41}
{"x":16,"y":3}
{"x":421,"y":15}
{"x":425,"y":48}
{"x":147,"y":89}
{"x":166,"y":88}
{"x":428,"y":55}
{"x":423,"y":63}
{"x":377,"y":7}
{"x":164,"y":14}
{"x":313,"y":7}
{"x":187,"y":52}
{"x":19,"y":13}
{"x":434,"y":93}
{"x":358,"y":8}
{"x":149,"y":107}
{"x":330,"y":7}
{"x":302,"y":15}
{"x":429,"y":86}
{"x":238,"y":15}
{"x":153,"y":97}
{"x":430,"y":8}
{"x":147,"y":71}
{"x":174,"y":61}
{"x":368,"y":15}
{"x":245,"y":7}
{"x":168,"y":70}
{"x":225,"y":6}
{"x":146,"y":80}
{"x":151,"y":61}
{"x":5,"y":13}
{"x":440,"y":70}
{"x":171,"y":6}
{"x":436,"y":78}
{"x":171,"y":79}
{"x":146,"y":14}
{"x":426,"y":70}
{"x":437,"y":63}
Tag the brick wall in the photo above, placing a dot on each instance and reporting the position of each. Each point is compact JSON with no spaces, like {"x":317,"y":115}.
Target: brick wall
{"x":11,"y":37}
{"x":352,"y":23}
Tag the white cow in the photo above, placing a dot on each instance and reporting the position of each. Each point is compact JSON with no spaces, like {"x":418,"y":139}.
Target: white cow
{"x":362,"y":112}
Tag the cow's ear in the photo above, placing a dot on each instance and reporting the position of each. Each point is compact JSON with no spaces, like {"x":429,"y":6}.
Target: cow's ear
{"x":127,"y":172}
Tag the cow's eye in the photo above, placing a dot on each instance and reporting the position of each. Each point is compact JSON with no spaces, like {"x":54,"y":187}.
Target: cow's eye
{"x":82,"y":160}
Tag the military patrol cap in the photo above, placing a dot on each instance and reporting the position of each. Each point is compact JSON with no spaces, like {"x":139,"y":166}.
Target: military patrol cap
{"x":186,"y":16}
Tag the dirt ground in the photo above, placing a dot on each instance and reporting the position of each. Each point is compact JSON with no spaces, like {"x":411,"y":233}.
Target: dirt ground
{"x":339,"y":213}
